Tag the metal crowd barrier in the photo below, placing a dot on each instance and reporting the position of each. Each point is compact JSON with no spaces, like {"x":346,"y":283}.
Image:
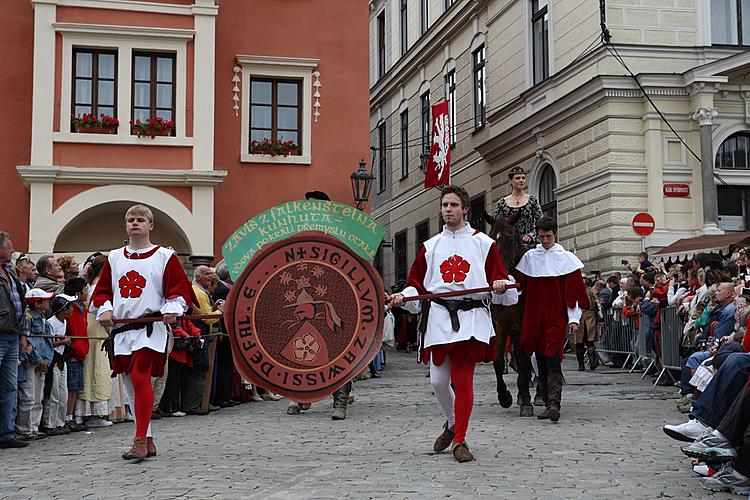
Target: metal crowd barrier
{"x":617,"y":335}
{"x":671,"y":336}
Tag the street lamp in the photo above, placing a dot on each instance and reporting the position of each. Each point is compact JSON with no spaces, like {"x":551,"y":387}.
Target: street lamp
{"x":424,"y":160}
{"x":361,"y":184}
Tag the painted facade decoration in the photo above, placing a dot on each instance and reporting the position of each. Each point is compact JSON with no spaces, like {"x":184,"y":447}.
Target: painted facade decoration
{"x":224,"y":72}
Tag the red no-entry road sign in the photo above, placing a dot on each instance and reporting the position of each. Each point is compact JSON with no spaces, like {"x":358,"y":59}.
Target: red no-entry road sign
{"x":643,"y":224}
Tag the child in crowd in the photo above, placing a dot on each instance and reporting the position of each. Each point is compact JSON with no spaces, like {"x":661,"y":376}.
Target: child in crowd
{"x":30,"y":390}
{"x":78,"y":350}
{"x":56,"y":384}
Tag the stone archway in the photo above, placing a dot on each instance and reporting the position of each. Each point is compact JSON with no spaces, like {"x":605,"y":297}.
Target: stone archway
{"x":102,"y":228}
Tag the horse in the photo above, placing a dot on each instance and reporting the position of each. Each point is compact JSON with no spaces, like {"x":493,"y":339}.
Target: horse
{"x":507,"y":319}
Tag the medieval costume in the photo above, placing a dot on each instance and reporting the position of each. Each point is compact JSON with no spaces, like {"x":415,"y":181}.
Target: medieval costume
{"x":458,"y":332}
{"x":136,"y":284}
{"x":554,"y":293}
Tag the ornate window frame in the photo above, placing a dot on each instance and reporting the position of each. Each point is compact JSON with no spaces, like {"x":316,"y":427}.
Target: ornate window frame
{"x":277,"y":67}
{"x":124,"y":41}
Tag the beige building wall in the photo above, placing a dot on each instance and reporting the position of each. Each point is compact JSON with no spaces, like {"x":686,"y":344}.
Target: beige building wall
{"x":610,"y":150}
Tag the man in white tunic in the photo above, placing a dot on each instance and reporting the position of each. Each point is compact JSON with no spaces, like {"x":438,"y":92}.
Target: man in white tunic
{"x":141,"y":280}
{"x":459,"y":330}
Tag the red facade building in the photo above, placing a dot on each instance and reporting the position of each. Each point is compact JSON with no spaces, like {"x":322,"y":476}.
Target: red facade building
{"x":225,"y":73}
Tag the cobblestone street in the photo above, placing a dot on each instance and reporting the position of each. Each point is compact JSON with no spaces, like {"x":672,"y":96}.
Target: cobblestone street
{"x":608,"y":444}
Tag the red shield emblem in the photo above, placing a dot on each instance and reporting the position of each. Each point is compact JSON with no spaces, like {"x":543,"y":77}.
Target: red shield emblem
{"x":305,"y":316}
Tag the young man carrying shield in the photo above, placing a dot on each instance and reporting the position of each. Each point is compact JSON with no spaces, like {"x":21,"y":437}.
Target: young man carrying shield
{"x":141,"y":280}
{"x":459,"y":330}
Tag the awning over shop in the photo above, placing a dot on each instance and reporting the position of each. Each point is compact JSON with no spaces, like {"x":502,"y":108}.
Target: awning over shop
{"x":686,"y":248}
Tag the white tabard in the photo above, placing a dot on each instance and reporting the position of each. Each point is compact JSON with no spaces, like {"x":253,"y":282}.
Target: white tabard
{"x":454,"y":261}
{"x":148,"y":282}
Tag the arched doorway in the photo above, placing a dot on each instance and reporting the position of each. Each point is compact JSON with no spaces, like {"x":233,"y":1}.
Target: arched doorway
{"x":547,"y":186}
{"x":102,"y":228}
{"x":734,"y":201}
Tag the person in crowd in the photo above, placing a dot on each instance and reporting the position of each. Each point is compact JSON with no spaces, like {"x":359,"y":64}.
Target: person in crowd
{"x":710,"y":408}
{"x":729,"y":442}
{"x":69,"y":267}
{"x":523,"y":205}
{"x":56,"y":383}
{"x":93,"y":400}
{"x":31,"y":390}
{"x":644,"y":265}
{"x":454,"y":346}
{"x":196,"y":375}
{"x":12,"y":341}
{"x":720,"y":324}
{"x":50,"y":274}
{"x":587,"y":332}
{"x":153,"y":275}
{"x":186,"y":341}
{"x":222,"y":395}
{"x":24,"y":268}
{"x":78,"y":350}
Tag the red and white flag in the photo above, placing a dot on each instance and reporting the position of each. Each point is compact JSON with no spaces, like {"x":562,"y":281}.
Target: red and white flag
{"x":439,"y":166}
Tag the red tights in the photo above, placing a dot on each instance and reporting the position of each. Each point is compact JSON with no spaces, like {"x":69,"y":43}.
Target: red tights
{"x":462,"y":379}
{"x":140,"y":375}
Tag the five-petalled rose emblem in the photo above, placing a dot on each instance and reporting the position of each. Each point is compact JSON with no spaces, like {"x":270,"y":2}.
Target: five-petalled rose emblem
{"x":306,"y":348}
{"x":131,"y":285}
{"x":454,"y":269}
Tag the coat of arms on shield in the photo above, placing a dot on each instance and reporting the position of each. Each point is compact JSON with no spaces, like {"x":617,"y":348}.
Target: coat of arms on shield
{"x":305,"y":316}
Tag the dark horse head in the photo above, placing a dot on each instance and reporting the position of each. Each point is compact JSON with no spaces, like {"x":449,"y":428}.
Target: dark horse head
{"x":507,"y":237}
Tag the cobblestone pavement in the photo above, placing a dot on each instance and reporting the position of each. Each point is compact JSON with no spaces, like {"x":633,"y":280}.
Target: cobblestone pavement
{"x":608,"y":444}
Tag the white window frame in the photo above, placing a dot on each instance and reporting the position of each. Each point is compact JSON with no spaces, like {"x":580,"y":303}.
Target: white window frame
{"x":123,"y":40}
{"x":277,"y":67}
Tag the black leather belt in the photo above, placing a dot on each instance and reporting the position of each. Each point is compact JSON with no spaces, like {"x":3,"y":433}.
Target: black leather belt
{"x":453,"y":306}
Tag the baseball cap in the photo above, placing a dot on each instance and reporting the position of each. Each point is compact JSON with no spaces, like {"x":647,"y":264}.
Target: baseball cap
{"x":60,"y":302}
{"x":37,"y":294}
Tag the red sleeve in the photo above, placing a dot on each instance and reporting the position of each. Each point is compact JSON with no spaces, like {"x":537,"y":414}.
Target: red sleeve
{"x":418,"y":271}
{"x":520,"y":279}
{"x":493,"y":266}
{"x":103,"y":291}
{"x":176,"y":283}
{"x":575,"y":290}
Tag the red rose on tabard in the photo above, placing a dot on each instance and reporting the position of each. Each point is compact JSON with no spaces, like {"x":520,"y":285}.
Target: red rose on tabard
{"x":131,"y":285}
{"x":454,"y":269}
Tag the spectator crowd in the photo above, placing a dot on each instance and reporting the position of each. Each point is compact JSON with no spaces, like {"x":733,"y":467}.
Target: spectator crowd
{"x":60,"y":380}
{"x":710,"y":295}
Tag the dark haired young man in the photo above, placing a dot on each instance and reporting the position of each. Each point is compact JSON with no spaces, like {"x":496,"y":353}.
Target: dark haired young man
{"x":459,"y":330}
{"x":555,"y":292}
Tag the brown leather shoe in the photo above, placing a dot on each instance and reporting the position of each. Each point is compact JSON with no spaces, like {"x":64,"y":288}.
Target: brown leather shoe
{"x":150,"y":447}
{"x":462,"y":454}
{"x":445,"y":439}
{"x":139,"y":451}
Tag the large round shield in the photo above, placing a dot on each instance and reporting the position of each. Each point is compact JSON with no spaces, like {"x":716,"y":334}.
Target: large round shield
{"x":305,"y":316}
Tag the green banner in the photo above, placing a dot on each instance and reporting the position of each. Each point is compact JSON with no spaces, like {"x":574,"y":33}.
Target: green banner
{"x":353,"y":227}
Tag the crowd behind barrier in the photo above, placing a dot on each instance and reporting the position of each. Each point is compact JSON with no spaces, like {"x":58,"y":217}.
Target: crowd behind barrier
{"x":624,"y":337}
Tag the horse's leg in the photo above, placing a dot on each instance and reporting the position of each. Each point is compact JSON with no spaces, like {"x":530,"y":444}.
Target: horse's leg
{"x":500,"y":316}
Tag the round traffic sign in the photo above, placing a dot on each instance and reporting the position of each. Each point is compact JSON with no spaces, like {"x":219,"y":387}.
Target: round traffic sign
{"x":643,"y":224}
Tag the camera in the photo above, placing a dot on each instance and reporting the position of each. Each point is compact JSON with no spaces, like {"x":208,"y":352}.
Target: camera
{"x":624,"y":262}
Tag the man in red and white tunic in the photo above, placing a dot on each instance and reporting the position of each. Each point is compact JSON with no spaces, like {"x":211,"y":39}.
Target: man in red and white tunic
{"x":555,"y":295}
{"x":141,"y":280}
{"x":459,"y":330}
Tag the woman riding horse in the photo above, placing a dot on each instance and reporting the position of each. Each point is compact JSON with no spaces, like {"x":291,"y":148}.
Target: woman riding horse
{"x":514,"y":230}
